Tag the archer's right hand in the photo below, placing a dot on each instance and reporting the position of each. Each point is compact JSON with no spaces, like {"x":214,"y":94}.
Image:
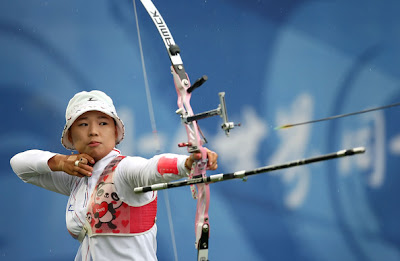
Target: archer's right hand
{"x":74,"y":165}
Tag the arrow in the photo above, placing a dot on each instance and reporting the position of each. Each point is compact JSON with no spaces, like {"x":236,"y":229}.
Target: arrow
{"x":286,"y":126}
{"x":243,"y":174}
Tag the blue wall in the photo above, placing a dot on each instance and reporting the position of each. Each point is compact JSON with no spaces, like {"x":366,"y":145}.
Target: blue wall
{"x":278,"y":62}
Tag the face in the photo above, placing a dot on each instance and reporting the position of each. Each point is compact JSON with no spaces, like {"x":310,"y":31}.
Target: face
{"x":93,"y":133}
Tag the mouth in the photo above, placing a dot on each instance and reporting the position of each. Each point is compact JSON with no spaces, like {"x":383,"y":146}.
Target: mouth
{"x":94,"y":144}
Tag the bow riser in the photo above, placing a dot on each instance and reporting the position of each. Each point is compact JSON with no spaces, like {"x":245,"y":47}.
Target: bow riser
{"x":194,"y":143}
{"x":199,"y":167}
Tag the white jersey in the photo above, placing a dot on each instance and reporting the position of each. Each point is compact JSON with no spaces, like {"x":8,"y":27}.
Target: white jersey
{"x":31,"y":166}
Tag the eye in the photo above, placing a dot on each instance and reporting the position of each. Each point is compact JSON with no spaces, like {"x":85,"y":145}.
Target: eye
{"x":83,"y":124}
{"x":103,"y":123}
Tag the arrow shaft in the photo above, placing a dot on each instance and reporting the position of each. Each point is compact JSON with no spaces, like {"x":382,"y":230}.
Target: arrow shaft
{"x":241,"y":174}
{"x":339,"y":116}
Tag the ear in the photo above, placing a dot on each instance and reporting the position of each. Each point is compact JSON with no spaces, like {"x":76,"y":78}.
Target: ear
{"x":116,"y":133}
{"x":70,"y":136}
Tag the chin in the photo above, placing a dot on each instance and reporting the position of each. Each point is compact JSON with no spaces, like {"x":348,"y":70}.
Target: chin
{"x":98,"y":155}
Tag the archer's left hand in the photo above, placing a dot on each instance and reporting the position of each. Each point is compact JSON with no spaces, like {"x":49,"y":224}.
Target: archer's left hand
{"x":212,"y":163}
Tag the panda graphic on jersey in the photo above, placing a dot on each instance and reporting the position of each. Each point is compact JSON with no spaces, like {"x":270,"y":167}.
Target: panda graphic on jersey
{"x":105,"y":204}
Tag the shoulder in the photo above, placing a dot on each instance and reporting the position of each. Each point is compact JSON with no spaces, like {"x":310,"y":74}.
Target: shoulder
{"x":132,"y":161}
{"x":131,"y":164}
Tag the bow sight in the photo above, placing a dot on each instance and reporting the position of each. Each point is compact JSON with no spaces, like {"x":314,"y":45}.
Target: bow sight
{"x":221,"y":110}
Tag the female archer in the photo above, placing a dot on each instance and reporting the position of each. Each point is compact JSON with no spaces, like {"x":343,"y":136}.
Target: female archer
{"x":103,"y":212}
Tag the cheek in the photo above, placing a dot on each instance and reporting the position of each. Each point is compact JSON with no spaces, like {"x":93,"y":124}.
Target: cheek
{"x":111,"y":134}
{"x":75,"y":137}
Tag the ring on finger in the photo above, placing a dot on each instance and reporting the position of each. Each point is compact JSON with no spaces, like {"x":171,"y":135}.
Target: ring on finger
{"x":77,"y":163}
{"x":83,"y":160}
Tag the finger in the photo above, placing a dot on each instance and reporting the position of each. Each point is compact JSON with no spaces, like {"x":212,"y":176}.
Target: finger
{"x":86,"y":167}
{"x":83,"y":158}
{"x":83,"y":161}
{"x":196,"y":156}
{"x":212,"y":163}
{"x":89,"y":159}
{"x":212,"y":160}
{"x":86,"y":159}
{"x":213,"y":167}
{"x":77,"y":174}
{"x":84,"y":170}
{"x":212,"y":157}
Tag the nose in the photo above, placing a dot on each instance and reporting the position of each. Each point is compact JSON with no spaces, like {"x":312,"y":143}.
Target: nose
{"x":93,"y":130}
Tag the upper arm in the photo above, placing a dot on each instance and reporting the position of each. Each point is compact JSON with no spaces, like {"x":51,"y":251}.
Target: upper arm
{"x":31,"y":167}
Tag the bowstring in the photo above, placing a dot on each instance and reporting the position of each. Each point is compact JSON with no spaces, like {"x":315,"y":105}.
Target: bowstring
{"x":154,"y":129}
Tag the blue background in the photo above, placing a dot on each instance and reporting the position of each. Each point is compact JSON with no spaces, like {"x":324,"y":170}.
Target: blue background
{"x":278,"y":62}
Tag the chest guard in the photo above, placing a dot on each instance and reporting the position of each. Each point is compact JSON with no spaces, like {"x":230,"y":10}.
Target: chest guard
{"x":108,"y":215}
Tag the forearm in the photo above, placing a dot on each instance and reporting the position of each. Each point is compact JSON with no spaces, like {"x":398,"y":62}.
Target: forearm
{"x":135,"y":171}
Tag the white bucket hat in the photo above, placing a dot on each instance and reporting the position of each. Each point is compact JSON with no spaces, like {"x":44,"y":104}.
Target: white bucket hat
{"x":90,"y":101}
